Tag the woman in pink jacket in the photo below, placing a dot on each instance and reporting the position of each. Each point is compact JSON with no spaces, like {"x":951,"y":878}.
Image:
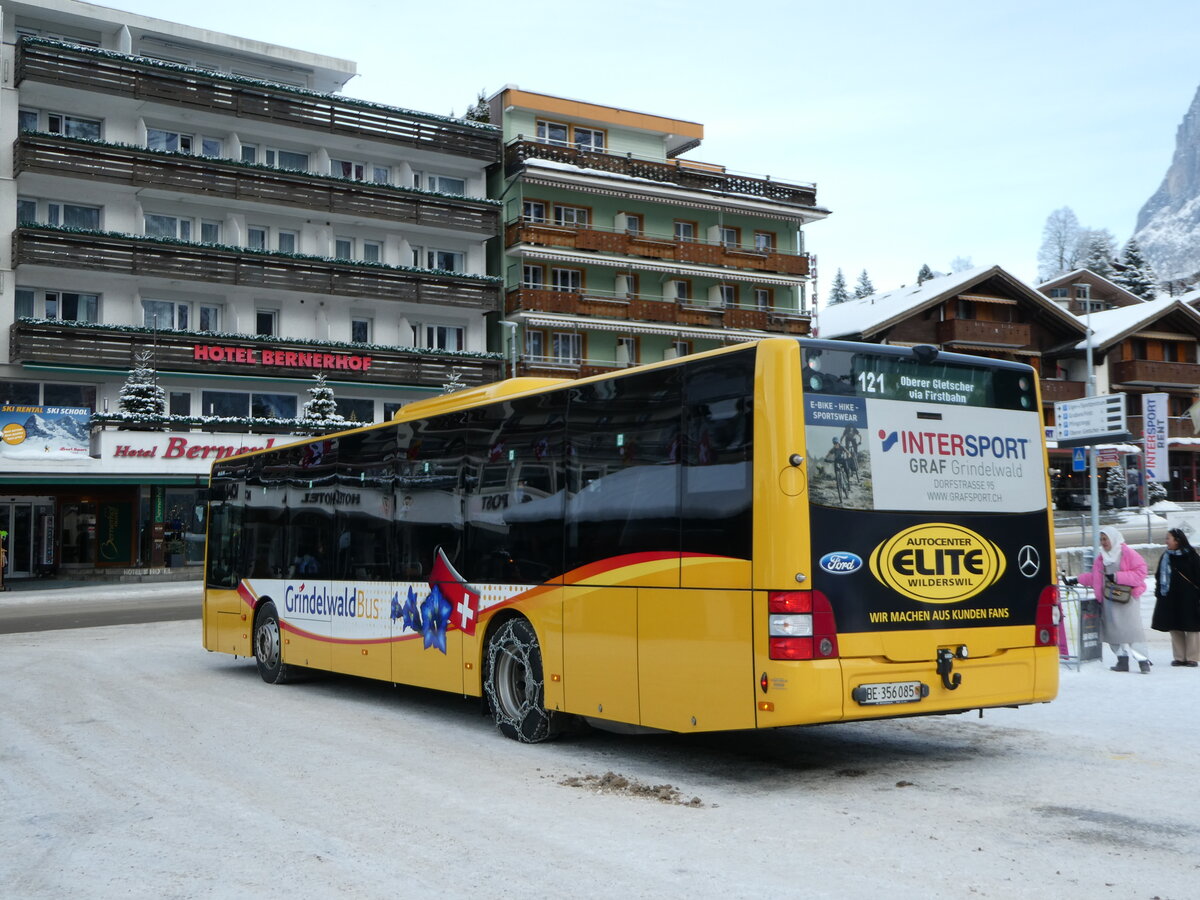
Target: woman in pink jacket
{"x":1120,"y":623}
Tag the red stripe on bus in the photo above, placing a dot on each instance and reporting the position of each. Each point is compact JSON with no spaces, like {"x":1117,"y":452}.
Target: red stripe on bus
{"x":246,"y":594}
{"x":591,"y":570}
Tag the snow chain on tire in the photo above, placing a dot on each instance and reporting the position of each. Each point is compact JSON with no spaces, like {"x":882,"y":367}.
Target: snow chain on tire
{"x":514,"y":684}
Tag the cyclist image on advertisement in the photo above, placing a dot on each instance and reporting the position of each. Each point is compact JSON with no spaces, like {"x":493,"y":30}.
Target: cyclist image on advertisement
{"x":842,"y":475}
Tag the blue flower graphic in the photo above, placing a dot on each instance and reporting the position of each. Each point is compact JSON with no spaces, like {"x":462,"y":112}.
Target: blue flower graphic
{"x":412,"y":618}
{"x":435,"y":616}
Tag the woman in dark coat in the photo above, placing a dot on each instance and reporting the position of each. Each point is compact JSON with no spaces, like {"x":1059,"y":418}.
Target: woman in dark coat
{"x":1177,"y":598}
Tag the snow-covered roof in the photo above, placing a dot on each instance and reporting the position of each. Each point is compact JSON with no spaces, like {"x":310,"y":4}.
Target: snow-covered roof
{"x":1112,"y":325}
{"x":1074,"y":276}
{"x":867,"y":314}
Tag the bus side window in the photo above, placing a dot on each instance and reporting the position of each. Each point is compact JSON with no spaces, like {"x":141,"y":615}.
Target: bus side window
{"x":364,"y":501}
{"x":224,"y":554}
{"x":429,"y":500}
{"x":514,"y":508}
{"x":718,"y":456}
{"x":625,"y":433}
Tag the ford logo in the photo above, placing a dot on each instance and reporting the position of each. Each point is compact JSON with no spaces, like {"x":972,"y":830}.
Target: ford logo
{"x":841,"y":562}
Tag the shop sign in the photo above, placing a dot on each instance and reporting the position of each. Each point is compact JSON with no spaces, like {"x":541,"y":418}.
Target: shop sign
{"x":1154,"y":432}
{"x":44,"y":432}
{"x":183,"y":453}
{"x":287,"y":359}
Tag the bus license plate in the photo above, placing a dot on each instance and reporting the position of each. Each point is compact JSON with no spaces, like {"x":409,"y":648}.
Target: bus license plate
{"x":889,"y":692}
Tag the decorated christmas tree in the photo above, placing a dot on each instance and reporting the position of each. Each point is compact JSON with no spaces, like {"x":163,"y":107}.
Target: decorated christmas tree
{"x":321,"y":409}
{"x":141,"y":396}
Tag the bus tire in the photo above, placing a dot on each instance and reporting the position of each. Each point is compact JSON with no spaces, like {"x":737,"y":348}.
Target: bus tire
{"x":268,"y":646}
{"x":514,"y":684}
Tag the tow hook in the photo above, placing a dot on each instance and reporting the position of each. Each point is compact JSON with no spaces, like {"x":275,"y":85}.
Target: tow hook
{"x":945,"y":666}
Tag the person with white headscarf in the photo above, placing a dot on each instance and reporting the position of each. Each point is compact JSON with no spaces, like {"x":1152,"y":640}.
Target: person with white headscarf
{"x":1120,"y":623}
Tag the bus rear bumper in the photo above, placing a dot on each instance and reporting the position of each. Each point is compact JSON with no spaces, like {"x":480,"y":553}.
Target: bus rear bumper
{"x":876,"y":688}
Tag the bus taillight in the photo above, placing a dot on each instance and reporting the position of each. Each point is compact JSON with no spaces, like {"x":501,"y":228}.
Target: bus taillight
{"x":1045,"y":623}
{"x":801,"y":625}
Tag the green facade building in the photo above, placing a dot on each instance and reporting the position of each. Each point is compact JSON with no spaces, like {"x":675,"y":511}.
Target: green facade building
{"x":617,"y":250}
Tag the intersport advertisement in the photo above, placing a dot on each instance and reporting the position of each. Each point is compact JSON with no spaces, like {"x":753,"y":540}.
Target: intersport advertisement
{"x":926,"y":516}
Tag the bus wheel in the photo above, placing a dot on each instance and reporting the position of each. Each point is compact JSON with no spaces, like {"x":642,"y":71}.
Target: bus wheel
{"x":268,"y":646}
{"x":514,"y":684}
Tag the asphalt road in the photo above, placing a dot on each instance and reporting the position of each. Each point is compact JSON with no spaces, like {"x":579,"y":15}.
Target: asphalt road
{"x":48,"y":609}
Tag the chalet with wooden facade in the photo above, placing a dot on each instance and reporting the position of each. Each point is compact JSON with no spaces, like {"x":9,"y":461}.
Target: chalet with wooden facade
{"x":1083,"y":291}
{"x":983,"y":311}
{"x":1150,"y":347}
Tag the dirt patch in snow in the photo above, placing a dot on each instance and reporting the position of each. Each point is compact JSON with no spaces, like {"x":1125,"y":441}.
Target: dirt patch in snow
{"x":612,"y":783}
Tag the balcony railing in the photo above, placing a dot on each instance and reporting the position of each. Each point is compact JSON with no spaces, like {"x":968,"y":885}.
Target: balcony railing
{"x":639,"y":307}
{"x":978,"y":331}
{"x":155,"y":257}
{"x":1150,"y":372}
{"x":611,"y":240}
{"x":35,"y":341}
{"x":232,"y":180}
{"x":1054,"y":390}
{"x":684,"y":173}
{"x":147,"y":80}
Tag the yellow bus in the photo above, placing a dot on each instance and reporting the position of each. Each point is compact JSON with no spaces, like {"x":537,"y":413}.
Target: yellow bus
{"x":785,"y":532}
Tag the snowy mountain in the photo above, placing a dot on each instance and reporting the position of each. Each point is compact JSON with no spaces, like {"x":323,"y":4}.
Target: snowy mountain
{"x":66,"y":429}
{"x":1168,"y":226}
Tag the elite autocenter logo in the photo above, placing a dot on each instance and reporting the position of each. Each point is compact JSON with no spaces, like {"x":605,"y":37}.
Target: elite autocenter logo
{"x":937,"y":563}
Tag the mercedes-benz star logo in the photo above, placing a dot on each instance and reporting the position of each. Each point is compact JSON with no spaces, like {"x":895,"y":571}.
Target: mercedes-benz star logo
{"x":1028,"y":561}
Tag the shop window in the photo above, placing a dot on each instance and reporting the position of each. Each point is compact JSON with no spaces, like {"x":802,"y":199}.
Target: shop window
{"x":358,"y":411}
{"x":78,"y":395}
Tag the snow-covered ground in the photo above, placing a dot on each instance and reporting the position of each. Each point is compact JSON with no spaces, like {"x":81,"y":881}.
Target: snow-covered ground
{"x":133,"y":763}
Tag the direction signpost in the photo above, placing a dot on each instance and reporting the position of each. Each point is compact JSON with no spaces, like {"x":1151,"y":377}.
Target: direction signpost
{"x":1092,"y":420}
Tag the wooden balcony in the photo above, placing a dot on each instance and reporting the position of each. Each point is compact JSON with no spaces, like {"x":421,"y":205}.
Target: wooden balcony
{"x":1177,"y":426}
{"x":1054,"y":390}
{"x":230,"y":180}
{"x":147,"y":81}
{"x":978,"y":331}
{"x":649,"y":309}
{"x":625,"y":244}
{"x":683,"y":173}
{"x":96,"y":346}
{"x":1155,"y":374}
{"x":214,"y":264}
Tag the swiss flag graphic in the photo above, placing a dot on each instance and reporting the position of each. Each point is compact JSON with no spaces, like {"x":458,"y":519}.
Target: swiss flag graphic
{"x":464,"y":599}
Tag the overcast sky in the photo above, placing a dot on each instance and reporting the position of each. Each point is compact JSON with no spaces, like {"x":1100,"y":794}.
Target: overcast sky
{"x":933,"y":129}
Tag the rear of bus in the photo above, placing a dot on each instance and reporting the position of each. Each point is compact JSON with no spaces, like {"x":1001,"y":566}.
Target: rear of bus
{"x":906,"y":562}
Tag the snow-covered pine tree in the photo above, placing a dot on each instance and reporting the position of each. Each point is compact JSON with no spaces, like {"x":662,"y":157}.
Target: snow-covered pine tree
{"x":321,"y":409}
{"x":1116,"y":488}
{"x":837,"y":290}
{"x":924,"y":275}
{"x":1156,"y":492}
{"x":479,"y":111}
{"x":864,"y":288}
{"x":142,"y":396}
{"x":1097,"y":251}
{"x":453,"y":383}
{"x":1138,"y":275}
